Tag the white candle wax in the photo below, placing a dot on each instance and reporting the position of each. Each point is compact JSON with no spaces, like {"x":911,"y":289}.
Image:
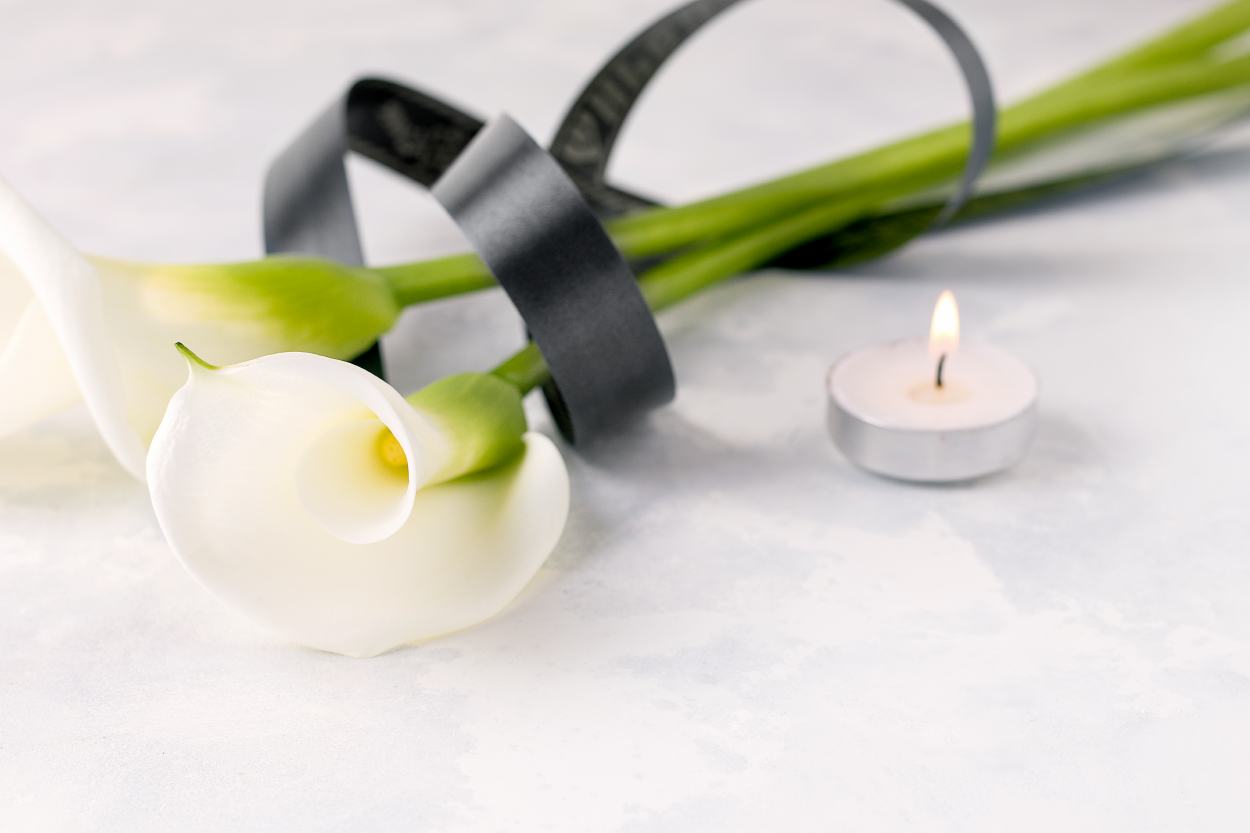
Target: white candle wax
{"x":887,"y":413}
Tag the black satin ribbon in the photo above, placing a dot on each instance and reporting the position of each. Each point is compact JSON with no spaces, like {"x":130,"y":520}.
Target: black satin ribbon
{"x":586,"y":138}
{"x":307,"y":201}
{"x":537,"y":233}
{"x":577,"y":295}
{"x":597,"y":387}
{"x":584,"y":142}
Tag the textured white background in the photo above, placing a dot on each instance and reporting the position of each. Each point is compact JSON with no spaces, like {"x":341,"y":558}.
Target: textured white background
{"x":739,"y":631}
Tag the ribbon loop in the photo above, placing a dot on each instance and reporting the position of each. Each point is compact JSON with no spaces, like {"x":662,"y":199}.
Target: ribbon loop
{"x":411,"y":133}
{"x":307,"y":203}
{"x":585,"y":139}
{"x":531,"y":215}
{"x":584,"y":142}
{"x":307,"y":206}
{"x":540,"y":238}
{"x":307,"y":200}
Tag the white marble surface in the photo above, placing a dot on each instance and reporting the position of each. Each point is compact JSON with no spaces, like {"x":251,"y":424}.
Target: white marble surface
{"x":738,"y":631}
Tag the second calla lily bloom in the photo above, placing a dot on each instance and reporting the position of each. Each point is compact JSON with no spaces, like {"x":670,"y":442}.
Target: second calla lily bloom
{"x":74,"y":328}
{"x":308,"y":494}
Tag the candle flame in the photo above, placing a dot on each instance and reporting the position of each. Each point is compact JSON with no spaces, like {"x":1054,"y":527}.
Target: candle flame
{"x":944,"y":333}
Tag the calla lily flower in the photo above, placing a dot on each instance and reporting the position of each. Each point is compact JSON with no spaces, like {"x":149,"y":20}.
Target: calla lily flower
{"x":74,"y":328}
{"x":309,"y":495}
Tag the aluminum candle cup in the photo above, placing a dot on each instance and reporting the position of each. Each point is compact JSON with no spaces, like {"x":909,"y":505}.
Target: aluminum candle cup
{"x":932,"y":412}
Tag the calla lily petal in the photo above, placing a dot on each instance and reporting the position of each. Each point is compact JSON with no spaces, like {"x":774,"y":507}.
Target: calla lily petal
{"x":268,"y":482}
{"x":34,"y":374}
{"x":230,"y":313}
{"x":66,"y":287}
{"x":74,"y":328}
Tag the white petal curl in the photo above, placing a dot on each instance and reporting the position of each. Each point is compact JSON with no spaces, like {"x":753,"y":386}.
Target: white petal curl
{"x":35,"y":378}
{"x":257,"y":475}
{"x":36,"y":259}
{"x":74,"y":328}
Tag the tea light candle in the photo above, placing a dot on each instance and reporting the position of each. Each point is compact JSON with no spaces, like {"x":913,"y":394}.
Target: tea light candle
{"x":935,"y":410}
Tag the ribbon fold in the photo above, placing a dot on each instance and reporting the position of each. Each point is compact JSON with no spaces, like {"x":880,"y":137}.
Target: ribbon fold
{"x":532,"y":214}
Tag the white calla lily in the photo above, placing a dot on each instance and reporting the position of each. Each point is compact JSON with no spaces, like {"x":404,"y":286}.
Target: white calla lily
{"x":309,"y":495}
{"x":74,"y":328}
{"x":51,"y":331}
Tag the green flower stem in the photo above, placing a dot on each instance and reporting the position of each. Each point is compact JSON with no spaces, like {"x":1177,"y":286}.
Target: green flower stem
{"x":1175,"y":65}
{"x":685,"y":275}
{"x":526,"y":370}
{"x":1189,"y":41}
{"x":923,"y":160}
{"x":415,"y":283}
{"x":788,"y":212}
{"x":1170,"y":68}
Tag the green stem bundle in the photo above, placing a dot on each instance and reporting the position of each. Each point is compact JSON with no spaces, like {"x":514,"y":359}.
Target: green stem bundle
{"x":713,"y":239}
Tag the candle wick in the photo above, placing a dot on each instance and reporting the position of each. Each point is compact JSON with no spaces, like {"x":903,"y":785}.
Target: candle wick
{"x":941,"y":362}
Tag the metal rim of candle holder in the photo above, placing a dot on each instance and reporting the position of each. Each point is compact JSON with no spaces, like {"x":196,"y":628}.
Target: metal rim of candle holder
{"x":930,"y":456}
